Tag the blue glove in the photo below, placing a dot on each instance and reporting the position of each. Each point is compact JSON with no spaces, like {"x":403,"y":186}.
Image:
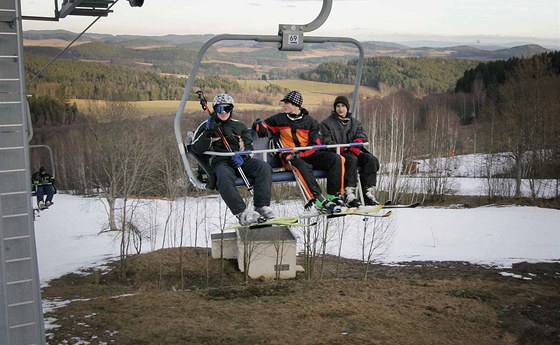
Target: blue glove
{"x":211,"y":128}
{"x":237,"y":160}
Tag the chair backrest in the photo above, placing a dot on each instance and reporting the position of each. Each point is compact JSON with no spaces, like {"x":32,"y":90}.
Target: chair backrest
{"x":279,"y":174}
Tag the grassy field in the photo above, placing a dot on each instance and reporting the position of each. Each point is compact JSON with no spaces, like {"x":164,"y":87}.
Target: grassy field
{"x":315,"y":94}
{"x":181,"y":296}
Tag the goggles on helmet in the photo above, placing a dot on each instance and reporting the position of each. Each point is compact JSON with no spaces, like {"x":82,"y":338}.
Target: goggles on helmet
{"x":222,"y":109}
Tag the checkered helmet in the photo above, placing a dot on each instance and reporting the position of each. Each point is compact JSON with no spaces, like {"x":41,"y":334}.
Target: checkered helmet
{"x":293,"y":97}
{"x":222,"y":98}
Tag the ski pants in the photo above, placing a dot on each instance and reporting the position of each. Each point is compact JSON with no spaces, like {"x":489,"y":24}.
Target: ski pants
{"x":331,"y":162}
{"x":257,"y":171}
{"x":45,"y":189}
{"x":369,"y":165}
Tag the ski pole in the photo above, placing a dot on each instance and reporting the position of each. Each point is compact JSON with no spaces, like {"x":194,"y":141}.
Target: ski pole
{"x":204,"y":104}
{"x":302,"y":189}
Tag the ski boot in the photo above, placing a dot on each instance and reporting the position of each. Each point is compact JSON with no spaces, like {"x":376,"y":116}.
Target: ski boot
{"x":350,"y":197}
{"x":266,"y":212}
{"x":249,"y":217}
{"x":326,"y":206}
{"x":369,"y":198}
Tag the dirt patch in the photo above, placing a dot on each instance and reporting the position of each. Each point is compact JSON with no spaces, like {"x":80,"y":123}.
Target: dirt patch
{"x":207,"y":302}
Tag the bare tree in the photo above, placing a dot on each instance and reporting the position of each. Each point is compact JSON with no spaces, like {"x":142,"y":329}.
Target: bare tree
{"x":377,"y":237}
{"x":126,"y":158}
{"x":392,"y":135}
{"x":441,"y":130}
{"x":527,"y":115}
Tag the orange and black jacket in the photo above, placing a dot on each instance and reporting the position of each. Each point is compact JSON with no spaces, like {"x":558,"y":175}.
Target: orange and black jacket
{"x":296,"y":133}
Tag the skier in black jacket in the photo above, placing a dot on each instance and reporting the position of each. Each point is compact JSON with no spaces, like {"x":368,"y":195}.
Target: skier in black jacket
{"x":208,"y":137}
{"x":342,"y":128}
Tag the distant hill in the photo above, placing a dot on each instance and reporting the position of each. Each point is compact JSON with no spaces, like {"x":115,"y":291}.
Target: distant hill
{"x":525,"y":51}
{"x":371,"y":48}
{"x":174,"y":54}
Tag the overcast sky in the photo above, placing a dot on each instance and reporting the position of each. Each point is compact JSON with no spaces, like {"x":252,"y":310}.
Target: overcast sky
{"x":488,"y":21}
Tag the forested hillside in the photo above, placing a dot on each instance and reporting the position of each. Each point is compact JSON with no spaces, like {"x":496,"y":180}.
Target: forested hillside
{"x":94,"y":80}
{"x":494,"y":73}
{"x":418,"y":75}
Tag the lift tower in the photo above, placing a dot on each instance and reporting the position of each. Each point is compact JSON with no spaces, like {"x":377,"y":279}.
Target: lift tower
{"x":21,"y":315}
{"x":21,"y":318}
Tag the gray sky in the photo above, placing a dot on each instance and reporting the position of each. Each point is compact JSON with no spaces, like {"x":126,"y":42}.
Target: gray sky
{"x":488,"y":21}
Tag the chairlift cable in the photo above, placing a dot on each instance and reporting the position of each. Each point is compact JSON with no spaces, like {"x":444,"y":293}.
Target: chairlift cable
{"x":68,"y":46}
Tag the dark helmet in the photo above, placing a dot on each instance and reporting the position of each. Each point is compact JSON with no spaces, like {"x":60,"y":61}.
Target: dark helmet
{"x":293,"y":97}
{"x":42,"y":170}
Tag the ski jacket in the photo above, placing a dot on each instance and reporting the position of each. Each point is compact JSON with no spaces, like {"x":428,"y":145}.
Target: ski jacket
{"x":42,"y":179}
{"x":303,"y":132}
{"x":333,"y":131}
{"x":236,"y":133}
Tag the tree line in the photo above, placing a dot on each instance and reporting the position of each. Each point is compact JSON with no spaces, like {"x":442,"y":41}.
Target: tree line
{"x":418,"y":75}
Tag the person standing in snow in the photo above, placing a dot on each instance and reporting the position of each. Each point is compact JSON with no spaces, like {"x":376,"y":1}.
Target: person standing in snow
{"x":214,"y":134}
{"x":343,"y":128}
{"x":294,"y":127}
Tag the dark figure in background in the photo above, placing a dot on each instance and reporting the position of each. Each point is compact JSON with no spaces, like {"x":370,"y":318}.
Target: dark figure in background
{"x":44,"y":184}
{"x":342,"y":128}
{"x":212,"y":135}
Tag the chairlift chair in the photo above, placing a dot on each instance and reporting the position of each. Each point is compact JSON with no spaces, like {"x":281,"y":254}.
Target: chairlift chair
{"x":289,"y":38}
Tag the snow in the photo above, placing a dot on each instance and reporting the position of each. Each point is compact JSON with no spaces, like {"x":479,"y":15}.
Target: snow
{"x":69,"y":234}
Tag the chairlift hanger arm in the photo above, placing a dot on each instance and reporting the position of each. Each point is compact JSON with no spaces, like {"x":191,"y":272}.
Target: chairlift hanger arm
{"x":261,"y":38}
{"x":286,"y":32}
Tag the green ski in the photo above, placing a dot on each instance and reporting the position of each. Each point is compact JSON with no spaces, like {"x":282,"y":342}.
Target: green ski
{"x":287,"y":221}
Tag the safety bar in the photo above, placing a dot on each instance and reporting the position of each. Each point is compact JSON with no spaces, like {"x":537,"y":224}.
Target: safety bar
{"x":286,"y":149}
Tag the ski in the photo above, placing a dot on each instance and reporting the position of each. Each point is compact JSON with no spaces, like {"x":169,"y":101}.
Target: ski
{"x":412,"y":205}
{"x":287,"y":221}
{"x":368,"y":211}
{"x":361,"y":214}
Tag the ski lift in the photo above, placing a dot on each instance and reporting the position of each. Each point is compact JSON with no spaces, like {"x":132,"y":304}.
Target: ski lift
{"x":38,"y":159}
{"x":37,"y":156}
{"x":290,"y":37}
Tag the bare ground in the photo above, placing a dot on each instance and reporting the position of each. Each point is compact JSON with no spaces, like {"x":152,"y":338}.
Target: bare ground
{"x":412,"y":303}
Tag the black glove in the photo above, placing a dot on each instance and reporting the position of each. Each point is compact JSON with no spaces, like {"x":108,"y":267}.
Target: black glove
{"x":288,"y":156}
{"x":260,"y":128}
{"x":211,"y":128}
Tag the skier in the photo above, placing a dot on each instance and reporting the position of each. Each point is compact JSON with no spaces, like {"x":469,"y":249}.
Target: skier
{"x":221,"y":133}
{"x":342,"y":128}
{"x":44,"y":184}
{"x":294,"y":127}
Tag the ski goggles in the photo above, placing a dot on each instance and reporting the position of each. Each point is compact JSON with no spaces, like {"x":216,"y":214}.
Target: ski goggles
{"x":222,"y":109}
